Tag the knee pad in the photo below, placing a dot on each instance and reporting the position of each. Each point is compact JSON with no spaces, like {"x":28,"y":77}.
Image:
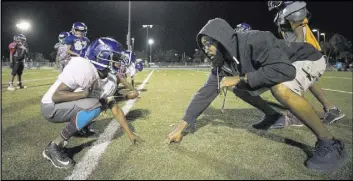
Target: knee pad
{"x":84,"y":117}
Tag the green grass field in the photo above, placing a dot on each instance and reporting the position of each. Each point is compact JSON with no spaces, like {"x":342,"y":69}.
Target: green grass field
{"x":224,"y":146}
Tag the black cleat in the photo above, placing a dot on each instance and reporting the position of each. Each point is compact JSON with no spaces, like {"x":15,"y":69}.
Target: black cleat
{"x":58,"y":156}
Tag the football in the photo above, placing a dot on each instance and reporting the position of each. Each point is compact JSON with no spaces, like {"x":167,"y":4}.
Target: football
{"x":132,"y":94}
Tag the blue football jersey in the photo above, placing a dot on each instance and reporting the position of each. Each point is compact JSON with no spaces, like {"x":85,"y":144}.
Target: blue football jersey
{"x":78,"y":44}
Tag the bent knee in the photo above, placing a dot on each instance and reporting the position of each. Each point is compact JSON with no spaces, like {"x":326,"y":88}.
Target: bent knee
{"x":281,"y":91}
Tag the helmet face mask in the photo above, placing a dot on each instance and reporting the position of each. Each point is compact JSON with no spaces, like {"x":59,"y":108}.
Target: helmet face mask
{"x":62,"y":36}
{"x":79,"y":29}
{"x":20,"y":39}
{"x":104,"y":53}
{"x":274,"y":4}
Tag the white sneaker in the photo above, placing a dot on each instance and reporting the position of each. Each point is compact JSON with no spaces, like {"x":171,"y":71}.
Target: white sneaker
{"x":11,"y":88}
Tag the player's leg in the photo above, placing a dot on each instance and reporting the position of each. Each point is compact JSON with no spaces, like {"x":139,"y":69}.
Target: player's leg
{"x":19,"y":75}
{"x":329,"y":153}
{"x":15,"y":67}
{"x":332,"y":113}
{"x":253,"y":98}
{"x":78,"y":114}
{"x":132,"y":81}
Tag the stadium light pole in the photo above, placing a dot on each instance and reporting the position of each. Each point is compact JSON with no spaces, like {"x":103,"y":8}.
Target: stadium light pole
{"x":318,"y":34}
{"x":150,"y":42}
{"x":133,"y":43}
{"x":23,"y":26}
{"x":128,"y":36}
{"x":324,"y":35}
{"x":147,"y":26}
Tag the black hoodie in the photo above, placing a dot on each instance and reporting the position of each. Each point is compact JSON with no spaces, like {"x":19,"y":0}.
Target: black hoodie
{"x":266,"y":60}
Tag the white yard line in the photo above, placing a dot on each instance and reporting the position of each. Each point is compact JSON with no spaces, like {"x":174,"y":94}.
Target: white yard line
{"x":330,"y":77}
{"x":89,"y":161}
{"x":33,"y":80}
{"x":337,"y":91}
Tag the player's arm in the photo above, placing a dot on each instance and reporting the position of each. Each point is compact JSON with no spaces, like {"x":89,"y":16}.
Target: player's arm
{"x":57,"y":57}
{"x":68,"y":50}
{"x":64,"y":94}
{"x":11,"y":57}
{"x":120,"y":116}
{"x":69,"y":41}
{"x":199,"y":102}
{"x":126,"y":83}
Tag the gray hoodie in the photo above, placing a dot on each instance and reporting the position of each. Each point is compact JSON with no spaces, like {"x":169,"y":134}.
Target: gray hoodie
{"x":266,"y":60}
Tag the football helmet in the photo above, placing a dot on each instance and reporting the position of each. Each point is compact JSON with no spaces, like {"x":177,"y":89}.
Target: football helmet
{"x":62,"y":36}
{"x":139,"y":66}
{"x":104,"y":52}
{"x":243,"y":27}
{"x":20,"y":39}
{"x":79,"y":26}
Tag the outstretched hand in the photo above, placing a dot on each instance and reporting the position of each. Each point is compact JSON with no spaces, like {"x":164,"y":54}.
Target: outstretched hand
{"x":135,"y":138}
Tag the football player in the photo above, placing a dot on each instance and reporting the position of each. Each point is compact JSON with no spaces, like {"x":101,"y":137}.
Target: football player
{"x":62,"y":58}
{"x":18,"y":53}
{"x":80,"y":93}
{"x":131,"y":69}
{"x":292,"y":21}
{"x":120,"y":71}
{"x":77,"y":42}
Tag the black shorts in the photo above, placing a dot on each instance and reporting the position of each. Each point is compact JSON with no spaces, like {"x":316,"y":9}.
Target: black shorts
{"x":17,"y":68}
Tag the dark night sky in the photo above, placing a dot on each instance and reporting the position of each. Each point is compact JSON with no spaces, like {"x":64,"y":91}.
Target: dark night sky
{"x":175,"y":23}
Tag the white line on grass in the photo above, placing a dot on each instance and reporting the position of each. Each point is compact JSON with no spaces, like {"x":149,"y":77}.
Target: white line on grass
{"x":90,"y":160}
{"x":331,"y":77}
{"x":337,"y":91}
{"x":33,"y":80}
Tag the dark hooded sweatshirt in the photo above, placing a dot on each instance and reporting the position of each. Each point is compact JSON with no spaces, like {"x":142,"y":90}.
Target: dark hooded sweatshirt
{"x":266,"y":60}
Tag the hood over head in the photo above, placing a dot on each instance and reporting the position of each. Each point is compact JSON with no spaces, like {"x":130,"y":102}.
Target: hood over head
{"x":219,"y":30}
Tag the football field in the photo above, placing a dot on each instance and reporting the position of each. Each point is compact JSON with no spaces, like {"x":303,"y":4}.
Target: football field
{"x":224,"y":145}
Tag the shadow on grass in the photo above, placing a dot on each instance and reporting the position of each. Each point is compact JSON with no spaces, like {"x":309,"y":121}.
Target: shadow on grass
{"x":100,"y":125}
{"x":132,"y":116}
{"x":76,"y":149}
{"x":241,"y":118}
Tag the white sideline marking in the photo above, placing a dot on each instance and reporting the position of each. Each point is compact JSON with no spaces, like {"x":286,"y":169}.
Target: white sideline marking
{"x":330,"y":77}
{"x":337,"y":91}
{"x":33,"y":80}
{"x":88,"y":163}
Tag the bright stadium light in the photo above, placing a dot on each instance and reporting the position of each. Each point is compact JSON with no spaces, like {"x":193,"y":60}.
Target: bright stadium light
{"x":318,"y":34}
{"x":150,"y":41}
{"x":23,"y":26}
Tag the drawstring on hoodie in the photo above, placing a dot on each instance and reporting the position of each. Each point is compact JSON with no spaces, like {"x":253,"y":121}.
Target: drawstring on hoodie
{"x":219,"y":91}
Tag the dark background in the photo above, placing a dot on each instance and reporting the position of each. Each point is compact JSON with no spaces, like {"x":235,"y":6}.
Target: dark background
{"x":175,"y":23}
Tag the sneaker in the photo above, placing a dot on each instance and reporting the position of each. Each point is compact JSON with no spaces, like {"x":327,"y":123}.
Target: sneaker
{"x":289,"y":120}
{"x":85,"y":132}
{"x":57,"y":156}
{"x":11,"y":88}
{"x":332,"y":115}
{"x":328,"y":155}
{"x":20,"y":86}
{"x":267,"y":120}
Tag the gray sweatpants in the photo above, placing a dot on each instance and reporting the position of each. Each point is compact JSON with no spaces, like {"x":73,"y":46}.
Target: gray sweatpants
{"x":65,"y":111}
